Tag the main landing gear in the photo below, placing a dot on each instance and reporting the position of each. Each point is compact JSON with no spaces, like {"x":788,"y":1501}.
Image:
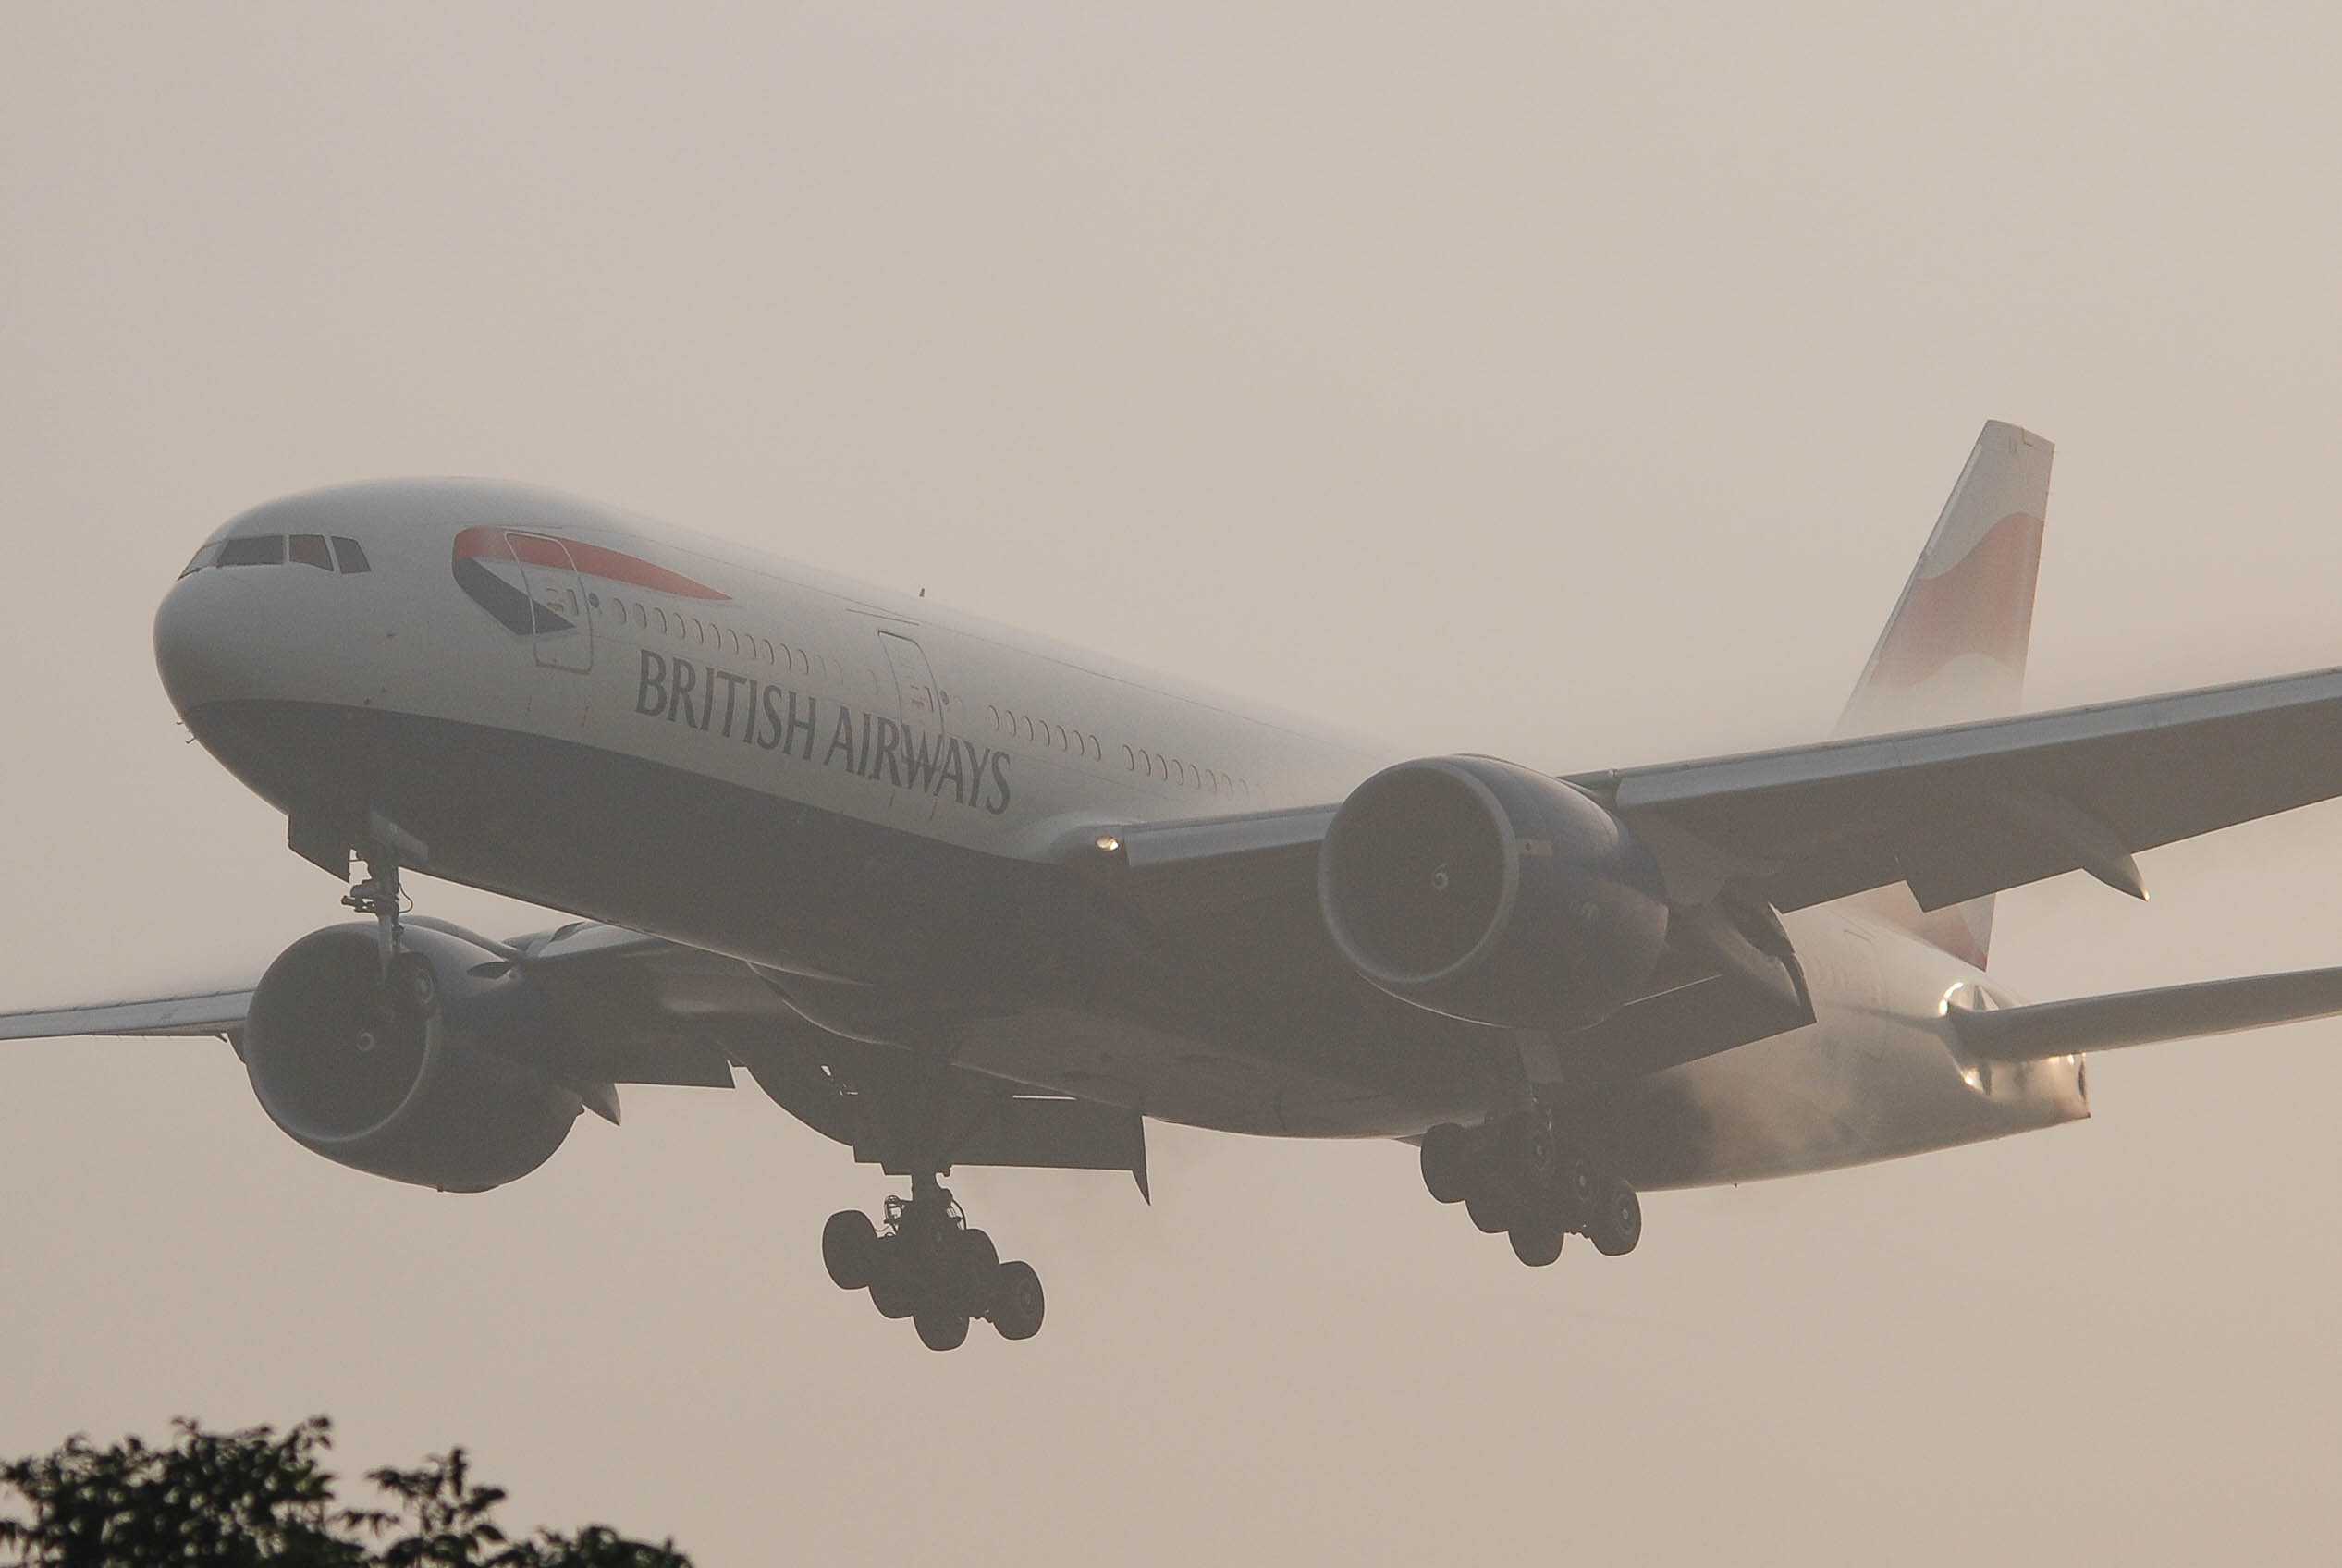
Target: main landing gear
{"x":928,"y":1264}
{"x":1515,"y":1177}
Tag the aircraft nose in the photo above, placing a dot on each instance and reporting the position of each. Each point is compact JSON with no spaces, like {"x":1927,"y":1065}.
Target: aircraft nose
{"x":208,"y":632}
{"x":254,"y":614}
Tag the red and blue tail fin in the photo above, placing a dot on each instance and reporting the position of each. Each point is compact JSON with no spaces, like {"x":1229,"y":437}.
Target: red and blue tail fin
{"x":1954,"y":650}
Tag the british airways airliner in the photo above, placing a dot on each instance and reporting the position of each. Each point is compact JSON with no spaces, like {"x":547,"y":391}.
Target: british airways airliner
{"x":954,"y":896}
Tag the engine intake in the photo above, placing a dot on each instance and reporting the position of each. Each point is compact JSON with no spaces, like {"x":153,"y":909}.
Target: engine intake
{"x":1488,"y":892}
{"x":450,"y":1095}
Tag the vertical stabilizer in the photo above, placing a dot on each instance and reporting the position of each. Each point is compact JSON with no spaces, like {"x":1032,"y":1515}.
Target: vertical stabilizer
{"x":1954,"y":650}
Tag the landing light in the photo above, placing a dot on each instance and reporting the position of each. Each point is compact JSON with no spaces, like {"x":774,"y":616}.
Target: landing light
{"x":1107,"y":843}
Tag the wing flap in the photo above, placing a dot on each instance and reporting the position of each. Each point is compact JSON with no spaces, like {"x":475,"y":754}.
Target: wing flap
{"x":2140,"y":1018}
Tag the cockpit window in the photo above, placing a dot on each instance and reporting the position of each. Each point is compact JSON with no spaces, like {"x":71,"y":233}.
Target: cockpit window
{"x":352,"y":558}
{"x":308,"y":549}
{"x":203,"y":557}
{"x":254,"y":549}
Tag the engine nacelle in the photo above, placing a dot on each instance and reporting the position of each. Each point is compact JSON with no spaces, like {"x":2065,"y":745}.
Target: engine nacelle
{"x":444,"y":1096}
{"x":1491,"y":893}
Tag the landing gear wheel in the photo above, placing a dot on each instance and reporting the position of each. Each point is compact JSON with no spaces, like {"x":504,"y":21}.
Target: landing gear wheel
{"x":1537,"y":1241}
{"x":1618,"y":1219}
{"x":850,"y":1249}
{"x":941,"y":1331}
{"x":1447,"y":1162}
{"x":1492,"y":1207}
{"x":414,"y":989}
{"x":1529,"y":1148}
{"x":979,"y":1271}
{"x":1017,"y":1305}
{"x":893,"y":1291}
{"x":1578,"y":1187}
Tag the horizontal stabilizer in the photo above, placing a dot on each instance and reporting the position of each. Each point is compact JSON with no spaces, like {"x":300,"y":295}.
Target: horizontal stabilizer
{"x":2140,"y":1018}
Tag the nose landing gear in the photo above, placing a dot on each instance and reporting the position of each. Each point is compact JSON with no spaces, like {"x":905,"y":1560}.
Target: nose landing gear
{"x":1516,"y":1178}
{"x":928,"y":1264}
{"x":410,"y":987}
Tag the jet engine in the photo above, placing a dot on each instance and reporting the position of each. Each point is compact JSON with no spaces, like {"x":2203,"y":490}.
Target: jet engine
{"x":434,"y":1078}
{"x":1488,"y":892}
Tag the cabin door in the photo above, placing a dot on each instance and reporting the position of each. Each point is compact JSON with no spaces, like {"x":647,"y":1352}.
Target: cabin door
{"x":561,"y":614}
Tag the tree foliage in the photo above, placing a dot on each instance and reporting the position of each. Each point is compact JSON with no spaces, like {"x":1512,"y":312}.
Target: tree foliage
{"x":244,"y":1499}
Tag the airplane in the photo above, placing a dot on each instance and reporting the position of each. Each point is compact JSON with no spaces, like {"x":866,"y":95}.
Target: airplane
{"x":955,"y":896}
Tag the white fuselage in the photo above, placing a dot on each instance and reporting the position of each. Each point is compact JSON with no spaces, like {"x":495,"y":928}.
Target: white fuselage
{"x":653,"y":654}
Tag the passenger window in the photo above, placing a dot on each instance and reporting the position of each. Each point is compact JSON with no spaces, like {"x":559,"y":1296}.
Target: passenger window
{"x":731,"y":641}
{"x":254,"y":549}
{"x":352,"y":558}
{"x":642,"y":616}
{"x":308,"y":549}
{"x":662,"y":619}
{"x":1130,"y":759}
{"x":1059,"y":728}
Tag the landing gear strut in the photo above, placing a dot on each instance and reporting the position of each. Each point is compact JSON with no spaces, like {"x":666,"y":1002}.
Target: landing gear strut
{"x":408,"y":982}
{"x":926,"y":1263}
{"x":1516,"y":1177}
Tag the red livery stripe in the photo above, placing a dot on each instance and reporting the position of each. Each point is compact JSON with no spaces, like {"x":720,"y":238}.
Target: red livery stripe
{"x":593,"y":560}
{"x":1982,"y":604}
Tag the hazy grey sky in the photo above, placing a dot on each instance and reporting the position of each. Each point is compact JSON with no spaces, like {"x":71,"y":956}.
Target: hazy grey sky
{"x":1566,"y":383}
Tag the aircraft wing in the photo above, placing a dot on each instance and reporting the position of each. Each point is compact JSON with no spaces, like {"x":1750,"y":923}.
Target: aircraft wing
{"x":205,"y":1012}
{"x":651,"y":1000}
{"x":1967,"y":810}
{"x":644,"y":1010}
{"x":1956,"y":811}
{"x":221,"y":1012}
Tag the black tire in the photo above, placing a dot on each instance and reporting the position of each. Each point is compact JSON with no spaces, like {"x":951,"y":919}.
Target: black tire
{"x":1618,"y":1219}
{"x":1493,"y":1205}
{"x":413,"y":985}
{"x":979,"y":1271}
{"x":1018,"y":1305}
{"x":1538,"y":1242}
{"x":1529,"y":1148}
{"x":940,"y":1329}
{"x":1447,"y":1162}
{"x":850,"y":1249}
{"x":894,"y":1290}
{"x":1578,"y":1189}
